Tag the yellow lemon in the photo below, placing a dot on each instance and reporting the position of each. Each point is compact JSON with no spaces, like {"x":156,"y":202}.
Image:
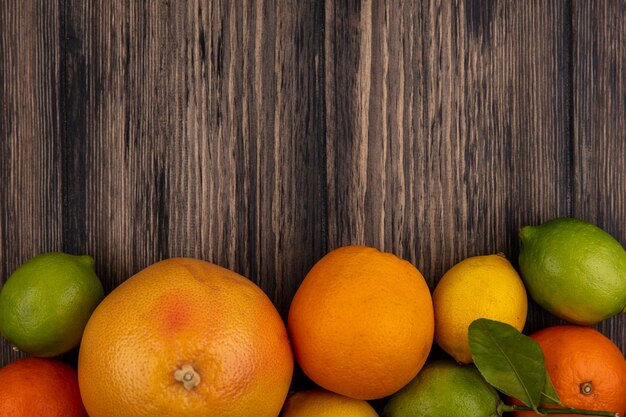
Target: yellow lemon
{"x":477,"y":287}
{"x":322,"y":403}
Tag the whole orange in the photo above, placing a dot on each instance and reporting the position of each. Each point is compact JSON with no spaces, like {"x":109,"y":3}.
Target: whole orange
{"x":361,"y":322}
{"x":586,"y":368}
{"x":322,"y":403}
{"x":187,"y":338}
{"x":39,"y":387}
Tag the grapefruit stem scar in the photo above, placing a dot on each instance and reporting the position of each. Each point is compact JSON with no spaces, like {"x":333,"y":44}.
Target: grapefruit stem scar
{"x":187,"y":376}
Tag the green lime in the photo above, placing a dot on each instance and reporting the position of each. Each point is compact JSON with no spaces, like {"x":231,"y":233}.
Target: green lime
{"x":443,"y":389}
{"x":46,"y":302}
{"x":574,"y":270}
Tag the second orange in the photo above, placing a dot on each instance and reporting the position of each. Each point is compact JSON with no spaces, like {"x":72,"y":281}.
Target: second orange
{"x":362,"y":322}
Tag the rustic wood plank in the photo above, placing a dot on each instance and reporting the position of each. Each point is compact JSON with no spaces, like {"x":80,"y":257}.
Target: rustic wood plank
{"x":446,"y":133}
{"x":257,"y":135}
{"x":183,"y":131}
{"x":447,"y":126}
{"x":30,"y":120}
{"x":203,"y":135}
{"x":599,"y":142}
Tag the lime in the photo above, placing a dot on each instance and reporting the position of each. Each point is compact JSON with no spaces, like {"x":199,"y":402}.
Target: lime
{"x":443,"y":389}
{"x":477,"y":287}
{"x":46,"y":302}
{"x":322,"y":403}
{"x":574,"y":270}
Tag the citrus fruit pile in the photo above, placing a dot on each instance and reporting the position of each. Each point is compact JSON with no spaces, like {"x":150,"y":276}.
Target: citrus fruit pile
{"x":188,"y":338}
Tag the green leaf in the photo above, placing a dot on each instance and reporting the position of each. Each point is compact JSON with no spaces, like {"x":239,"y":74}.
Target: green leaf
{"x":548,"y":394}
{"x":511,"y":362}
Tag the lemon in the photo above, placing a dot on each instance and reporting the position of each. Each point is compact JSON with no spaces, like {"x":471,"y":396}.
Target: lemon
{"x":477,"y":287}
{"x":445,"y":389}
{"x":574,"y":270}
{"x":322,"y":403}
{"x":46,"y":302}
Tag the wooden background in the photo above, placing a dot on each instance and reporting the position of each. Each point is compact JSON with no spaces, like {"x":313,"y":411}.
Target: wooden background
{"x":261,"y":134}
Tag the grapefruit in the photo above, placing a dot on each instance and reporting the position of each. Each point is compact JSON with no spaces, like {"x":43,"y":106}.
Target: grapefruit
{"x":186,"y":338}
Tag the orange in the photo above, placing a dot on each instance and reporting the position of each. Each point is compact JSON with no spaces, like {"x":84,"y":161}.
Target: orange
{"x":586,"y":368}
{"x":39,"y":387}
{"x":362,"y":322}
{"x":322,"y":403}
{"x":186,"y":338}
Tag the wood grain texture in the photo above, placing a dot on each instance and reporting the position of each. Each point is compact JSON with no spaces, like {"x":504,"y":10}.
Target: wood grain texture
{"x":186,"y":130}
{"x":261,"y":134}
{"x":192,"y":146}
{"x":30,"y":135}
{"x":454,"y":129}
{"x":452,"y":132}
{"x":599,"y":140}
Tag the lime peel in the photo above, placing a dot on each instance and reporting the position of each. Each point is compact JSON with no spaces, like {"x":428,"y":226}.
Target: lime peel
{"x":574,"y":270}
{"x":46,"y":302}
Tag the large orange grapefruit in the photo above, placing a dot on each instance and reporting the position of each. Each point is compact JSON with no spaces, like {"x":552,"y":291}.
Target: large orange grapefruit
{"x":362,"y":322}
{"x":186,"y":338}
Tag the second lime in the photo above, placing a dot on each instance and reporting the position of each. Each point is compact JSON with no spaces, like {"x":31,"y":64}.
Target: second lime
{"x":443,"y":389}
{"x":574,"y":270}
